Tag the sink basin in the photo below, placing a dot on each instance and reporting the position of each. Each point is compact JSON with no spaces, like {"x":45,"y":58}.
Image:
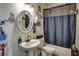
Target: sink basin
{"x":31,"y":44}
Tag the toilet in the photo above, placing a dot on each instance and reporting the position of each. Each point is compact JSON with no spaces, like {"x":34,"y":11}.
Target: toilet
{"x":47,"y":51}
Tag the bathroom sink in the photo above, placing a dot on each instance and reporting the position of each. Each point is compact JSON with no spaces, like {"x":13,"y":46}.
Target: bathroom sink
{"x":31,"y":44}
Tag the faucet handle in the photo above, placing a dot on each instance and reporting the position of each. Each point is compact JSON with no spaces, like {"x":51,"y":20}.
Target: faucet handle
{"x":29,"y":37}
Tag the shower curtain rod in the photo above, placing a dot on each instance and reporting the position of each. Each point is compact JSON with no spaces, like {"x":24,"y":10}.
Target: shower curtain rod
{"x":60,"y":6}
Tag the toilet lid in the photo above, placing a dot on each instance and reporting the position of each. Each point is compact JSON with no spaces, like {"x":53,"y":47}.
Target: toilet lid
{"x":49,"y":49}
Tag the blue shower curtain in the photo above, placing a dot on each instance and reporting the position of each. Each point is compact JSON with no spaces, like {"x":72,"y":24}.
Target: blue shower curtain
{"x":60,"y":30}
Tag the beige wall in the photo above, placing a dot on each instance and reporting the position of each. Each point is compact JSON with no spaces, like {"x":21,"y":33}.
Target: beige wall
{"x":39,"y":30}
{"x":77,"y":28}
{"x":17,"y":33}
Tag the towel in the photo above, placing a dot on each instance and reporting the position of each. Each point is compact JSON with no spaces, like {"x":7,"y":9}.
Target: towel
{"x":2,"y":36}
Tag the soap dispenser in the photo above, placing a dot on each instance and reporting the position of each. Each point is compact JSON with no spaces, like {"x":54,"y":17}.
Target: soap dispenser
{"x":19,"y":40}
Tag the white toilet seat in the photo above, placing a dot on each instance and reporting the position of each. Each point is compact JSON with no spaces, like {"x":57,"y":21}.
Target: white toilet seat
{"x":47,"y":50}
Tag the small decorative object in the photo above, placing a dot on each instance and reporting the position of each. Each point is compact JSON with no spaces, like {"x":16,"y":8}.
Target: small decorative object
{"x":39,"y":15}
{"x":34,"y":28}
{"x":2,"y":21}
{"x":39,"y":36}
{"x":11,"y":18}
{"x":39,"y":8}
{"x":19,"y":40}
{"x":38,"y":23}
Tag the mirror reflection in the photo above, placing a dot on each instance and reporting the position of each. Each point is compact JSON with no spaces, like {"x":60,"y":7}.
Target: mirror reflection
{"x":25,"y":21}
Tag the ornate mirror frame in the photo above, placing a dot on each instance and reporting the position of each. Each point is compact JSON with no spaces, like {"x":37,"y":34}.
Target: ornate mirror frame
{"x":18,"y":19}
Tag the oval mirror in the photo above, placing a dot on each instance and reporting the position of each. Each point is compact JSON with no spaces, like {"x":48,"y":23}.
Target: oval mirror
{"x":24,"y":21}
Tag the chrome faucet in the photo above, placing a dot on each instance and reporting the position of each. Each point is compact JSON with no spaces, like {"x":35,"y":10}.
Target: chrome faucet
{"x":28,"y":38}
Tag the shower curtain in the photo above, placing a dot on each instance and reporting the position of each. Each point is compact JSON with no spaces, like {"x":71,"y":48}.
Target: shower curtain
{"x":60,"y":25}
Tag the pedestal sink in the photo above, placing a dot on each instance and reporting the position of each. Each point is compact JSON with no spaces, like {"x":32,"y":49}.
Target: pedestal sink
{"x":30,"y":45}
